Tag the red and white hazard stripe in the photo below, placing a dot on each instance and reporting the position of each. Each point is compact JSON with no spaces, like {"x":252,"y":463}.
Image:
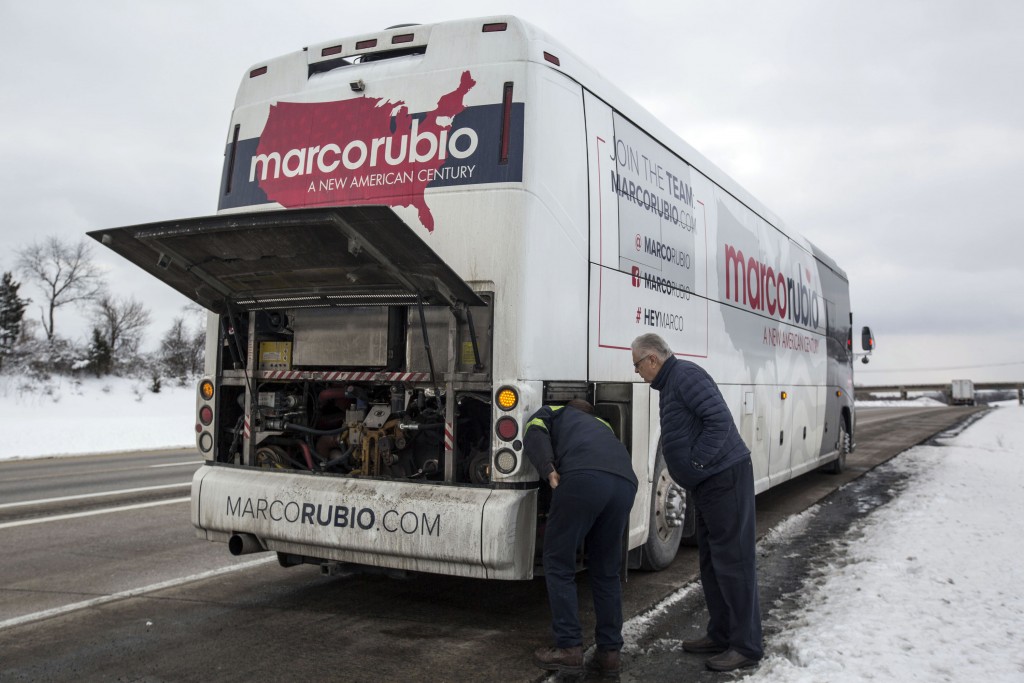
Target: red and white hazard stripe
{"x":321,"y":376}
{"x":449,"y":438}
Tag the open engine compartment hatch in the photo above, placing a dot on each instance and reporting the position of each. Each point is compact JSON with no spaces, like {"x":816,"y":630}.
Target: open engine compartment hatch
{"x":336,"y":256}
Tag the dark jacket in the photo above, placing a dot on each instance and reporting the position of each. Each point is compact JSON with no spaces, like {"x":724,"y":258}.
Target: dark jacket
{"x":698,"y":435}
{"x":566,"y":439}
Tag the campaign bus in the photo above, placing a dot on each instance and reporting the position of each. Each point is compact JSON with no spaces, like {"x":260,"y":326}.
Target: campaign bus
{"x":426,"y":233}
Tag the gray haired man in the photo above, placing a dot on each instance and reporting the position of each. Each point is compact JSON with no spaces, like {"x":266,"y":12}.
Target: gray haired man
{"x":706,"y":456}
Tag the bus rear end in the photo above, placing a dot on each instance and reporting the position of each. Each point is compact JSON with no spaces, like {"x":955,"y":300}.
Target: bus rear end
{"x":354,"y":408}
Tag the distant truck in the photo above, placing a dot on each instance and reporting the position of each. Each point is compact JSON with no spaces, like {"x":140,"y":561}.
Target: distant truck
{"x":962,"y":392}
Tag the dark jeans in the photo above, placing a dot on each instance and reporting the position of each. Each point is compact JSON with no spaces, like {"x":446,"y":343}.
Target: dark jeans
{"x":590,"y":506}
{"x":726,"y":538}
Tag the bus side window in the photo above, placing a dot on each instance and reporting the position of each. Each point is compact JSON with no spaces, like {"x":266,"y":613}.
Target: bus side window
{"x":834,"y":334}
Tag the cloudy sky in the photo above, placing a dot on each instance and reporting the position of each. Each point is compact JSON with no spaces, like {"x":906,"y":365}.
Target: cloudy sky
{"x":891,"y":134}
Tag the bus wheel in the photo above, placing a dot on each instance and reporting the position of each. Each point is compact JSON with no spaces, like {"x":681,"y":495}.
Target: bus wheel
{"x":668,"y":507}
{"x":839,"y":464}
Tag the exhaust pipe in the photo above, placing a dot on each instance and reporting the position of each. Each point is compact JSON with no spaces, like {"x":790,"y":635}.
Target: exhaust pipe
{"x":244,"y":544}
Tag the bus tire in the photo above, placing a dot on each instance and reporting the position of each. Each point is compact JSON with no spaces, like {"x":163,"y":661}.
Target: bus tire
{"x":665,"y":529}
{"x":843,"y":446}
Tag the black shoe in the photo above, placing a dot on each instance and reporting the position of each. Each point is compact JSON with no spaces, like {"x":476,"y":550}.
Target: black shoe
{"x":704,"y":645}
{"x":730,"y":660}
{"x":568,"y":659}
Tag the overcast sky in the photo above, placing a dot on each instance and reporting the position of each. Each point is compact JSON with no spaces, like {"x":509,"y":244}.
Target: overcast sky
{"x":891,"y":134}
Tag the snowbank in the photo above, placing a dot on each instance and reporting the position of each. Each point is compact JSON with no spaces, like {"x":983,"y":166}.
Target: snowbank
{"x":919,"y":402}
{"x":930,"y":591}
{"x":64,"y":416}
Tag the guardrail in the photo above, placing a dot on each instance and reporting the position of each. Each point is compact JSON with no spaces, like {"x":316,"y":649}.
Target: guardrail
{"x":865,"y":392}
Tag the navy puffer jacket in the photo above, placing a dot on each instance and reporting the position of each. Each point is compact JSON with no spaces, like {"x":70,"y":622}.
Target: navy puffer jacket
{"x":698,"y":435}
{"x":566,"y":439}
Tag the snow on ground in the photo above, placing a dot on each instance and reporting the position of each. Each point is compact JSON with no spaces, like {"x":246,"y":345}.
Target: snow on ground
{"x":919,"y":402}
{"x":62,"y":416}
{"x":931,"y":589}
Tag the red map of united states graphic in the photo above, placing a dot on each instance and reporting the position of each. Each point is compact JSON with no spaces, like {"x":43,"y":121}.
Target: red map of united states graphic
{"x":359,"y":151}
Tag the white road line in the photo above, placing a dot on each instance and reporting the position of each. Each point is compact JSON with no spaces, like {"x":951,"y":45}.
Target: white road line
{"x":178,"y":464}
{"x":89,"y":513}
{"x":83,"y":496}
{"x":132,"y":593}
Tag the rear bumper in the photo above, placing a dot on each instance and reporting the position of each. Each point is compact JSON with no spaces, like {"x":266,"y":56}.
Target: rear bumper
{"x":454,"y":530}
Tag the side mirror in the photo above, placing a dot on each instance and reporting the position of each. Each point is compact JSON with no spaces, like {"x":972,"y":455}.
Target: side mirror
{"x":867,"y":340}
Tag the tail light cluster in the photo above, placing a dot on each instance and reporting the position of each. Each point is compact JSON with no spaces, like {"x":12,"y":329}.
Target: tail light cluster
{"x":204,"y":413}
{"x":506,"y":427}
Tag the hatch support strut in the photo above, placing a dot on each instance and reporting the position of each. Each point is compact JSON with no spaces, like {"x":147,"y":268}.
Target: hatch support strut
{"x":478,"y":365}
{"x":426,"y":340}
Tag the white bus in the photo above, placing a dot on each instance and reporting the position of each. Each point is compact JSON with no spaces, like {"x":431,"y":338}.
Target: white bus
{"x":426,"y":233}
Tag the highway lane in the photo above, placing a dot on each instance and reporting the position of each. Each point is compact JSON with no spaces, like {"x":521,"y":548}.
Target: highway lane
{"x":264,"y":621}
{"x":36,"y":479}
{"x":869,"y":416}
{"x":77,"y":529}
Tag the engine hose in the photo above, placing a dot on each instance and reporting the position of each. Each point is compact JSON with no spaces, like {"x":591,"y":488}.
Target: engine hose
{"x":315,"y":432}
{"x":334,"y":394}
{"x":339,"y":460}
{"x":288,"y":442}
{"x":331,"y":422}
{"x":307,"y":454}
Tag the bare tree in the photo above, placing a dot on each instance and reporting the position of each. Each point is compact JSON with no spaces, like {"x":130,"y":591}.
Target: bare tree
{"x":122,"y":322}
{"x":64,"y":272}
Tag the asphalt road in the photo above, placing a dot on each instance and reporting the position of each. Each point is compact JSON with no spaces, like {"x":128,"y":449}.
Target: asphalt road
{"x":115,"y":587}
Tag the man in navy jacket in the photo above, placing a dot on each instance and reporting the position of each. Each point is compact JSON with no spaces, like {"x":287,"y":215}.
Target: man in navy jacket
{"x":705,"y":455}
{"x":592,"y":490}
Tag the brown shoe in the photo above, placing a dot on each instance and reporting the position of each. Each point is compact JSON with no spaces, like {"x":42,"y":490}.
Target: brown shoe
{"x":704,"y":645}
{"x":569,"y":659}
{"x":604,"y":662}
{"x":730,"y":660}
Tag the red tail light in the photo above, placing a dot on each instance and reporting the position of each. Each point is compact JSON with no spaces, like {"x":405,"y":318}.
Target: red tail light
{"x":507,"y":428}
{"x":506,"y":123}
